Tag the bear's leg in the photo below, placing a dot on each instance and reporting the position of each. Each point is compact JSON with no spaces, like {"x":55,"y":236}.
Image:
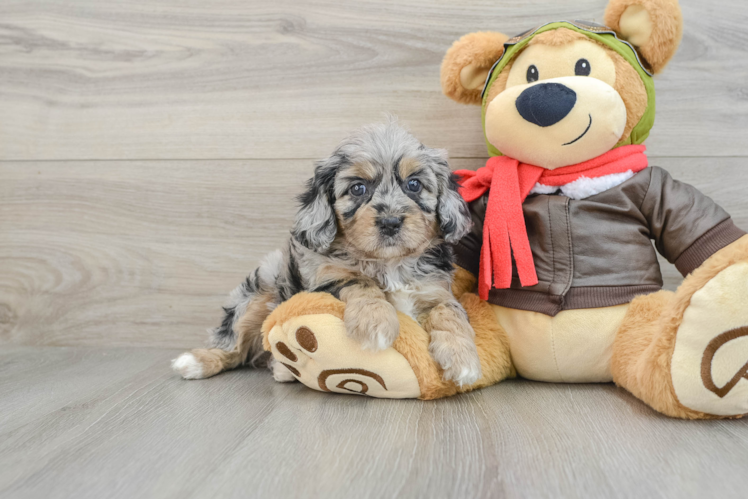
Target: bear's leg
{"x":686,"y":353}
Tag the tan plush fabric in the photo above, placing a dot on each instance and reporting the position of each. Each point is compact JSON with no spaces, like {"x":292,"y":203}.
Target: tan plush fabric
{"x":573,"y":346}
{"x":492,"y":342}
{"x":665,"y":27}
{"x":557,"y":38}
{"x":299,"y":305}
{"x":399,"y":367}
{"x":336,"y":362}
{"x":631,"y":89}
{"x":645,"y":343}
{"x":641,"y":365}
{"x":464,"y":281}
{"x":721,"y":307}
{"x":479,"y":50}
{"x":517,"y":138}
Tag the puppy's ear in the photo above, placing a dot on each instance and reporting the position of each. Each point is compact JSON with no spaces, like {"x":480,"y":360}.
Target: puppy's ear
{"x":654,"y":27}
{"x":451,"y":209}
{"x":467,"y":63}
{"x":315,"y":226}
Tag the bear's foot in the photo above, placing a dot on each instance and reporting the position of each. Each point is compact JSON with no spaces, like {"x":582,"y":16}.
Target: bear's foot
{"x":709,"y":367}
{"x":318,"y":352}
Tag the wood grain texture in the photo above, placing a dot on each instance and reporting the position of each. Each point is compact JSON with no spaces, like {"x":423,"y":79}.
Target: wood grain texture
{"x":78,"y":422}
{"x":144,"y":253}
{"x":233,"y":79}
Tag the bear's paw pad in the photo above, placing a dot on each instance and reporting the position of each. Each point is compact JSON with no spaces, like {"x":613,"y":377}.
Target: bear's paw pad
{"x":318,"y":352}
{"x":709,"y":366}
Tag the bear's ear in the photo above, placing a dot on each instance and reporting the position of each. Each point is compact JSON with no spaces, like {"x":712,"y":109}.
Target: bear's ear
{"x":467,"y":63}
{"x":655,"y":27}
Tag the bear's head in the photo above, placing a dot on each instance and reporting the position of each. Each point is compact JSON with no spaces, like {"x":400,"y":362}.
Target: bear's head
{"x":569,"y":91}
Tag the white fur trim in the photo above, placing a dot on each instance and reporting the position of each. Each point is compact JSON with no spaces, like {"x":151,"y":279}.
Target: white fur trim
{"x":584,"y":187}
{"x":543,"y":189}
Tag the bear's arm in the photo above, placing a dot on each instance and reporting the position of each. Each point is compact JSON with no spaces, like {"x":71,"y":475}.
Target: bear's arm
{"x":687,"y":226}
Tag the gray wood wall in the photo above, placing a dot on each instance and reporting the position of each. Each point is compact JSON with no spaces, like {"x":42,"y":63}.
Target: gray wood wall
{"x":150,"y":151}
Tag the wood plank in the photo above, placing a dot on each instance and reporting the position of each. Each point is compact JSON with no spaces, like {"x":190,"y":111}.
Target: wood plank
{"x":144,"y":253}
{"x":115,"y":423}
{"x":92,"y":245}
{"x":283,"y":79}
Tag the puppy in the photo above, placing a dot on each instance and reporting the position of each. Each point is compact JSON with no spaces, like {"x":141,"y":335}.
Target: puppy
{"x":374,"y":229}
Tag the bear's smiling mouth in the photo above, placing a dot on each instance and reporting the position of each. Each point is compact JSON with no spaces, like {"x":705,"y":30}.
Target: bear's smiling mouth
{"x":583,"y":133}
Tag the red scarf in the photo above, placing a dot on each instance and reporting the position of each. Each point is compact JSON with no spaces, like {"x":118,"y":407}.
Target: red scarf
{"x":510,"y":182}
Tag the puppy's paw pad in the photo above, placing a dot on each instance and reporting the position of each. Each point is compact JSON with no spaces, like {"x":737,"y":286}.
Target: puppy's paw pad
{"x":187,"y":366}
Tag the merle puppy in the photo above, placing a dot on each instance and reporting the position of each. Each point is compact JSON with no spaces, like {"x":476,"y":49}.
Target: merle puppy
{"x":374,"y":229}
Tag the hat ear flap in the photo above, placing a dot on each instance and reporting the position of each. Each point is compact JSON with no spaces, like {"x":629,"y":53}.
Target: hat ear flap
{"x":654,"y":27}
{"x":467,"y":63}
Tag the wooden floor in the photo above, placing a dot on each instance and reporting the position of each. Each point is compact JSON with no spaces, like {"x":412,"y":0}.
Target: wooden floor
{"x":150,"y":153}
{"x":96,"y":422}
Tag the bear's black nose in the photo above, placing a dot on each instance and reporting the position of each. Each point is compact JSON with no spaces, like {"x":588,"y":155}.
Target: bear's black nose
{"x":546,"y":104}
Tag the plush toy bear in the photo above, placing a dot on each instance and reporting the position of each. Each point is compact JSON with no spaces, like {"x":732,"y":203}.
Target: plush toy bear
{"x":565,"y":213}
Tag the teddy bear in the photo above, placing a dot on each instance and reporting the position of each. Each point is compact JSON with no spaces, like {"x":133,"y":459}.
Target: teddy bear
{"x":561,"y":254}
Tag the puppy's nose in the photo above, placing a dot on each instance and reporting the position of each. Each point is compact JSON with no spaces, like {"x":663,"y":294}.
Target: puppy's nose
{"x":390,"y":225}
{"x":546,"y":104}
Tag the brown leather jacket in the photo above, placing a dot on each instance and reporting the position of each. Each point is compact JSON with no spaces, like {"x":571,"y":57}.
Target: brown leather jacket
{"x":597,"y":252}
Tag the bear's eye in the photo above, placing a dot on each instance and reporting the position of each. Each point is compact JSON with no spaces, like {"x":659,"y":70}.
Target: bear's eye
{"x":358,"y":189}
{"x":414,"y":185}
{"x":582,"y":68}
{"x":532,"y":74}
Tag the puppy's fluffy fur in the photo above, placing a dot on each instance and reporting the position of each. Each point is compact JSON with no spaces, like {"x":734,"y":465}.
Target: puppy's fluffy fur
{"x":374,"y":229}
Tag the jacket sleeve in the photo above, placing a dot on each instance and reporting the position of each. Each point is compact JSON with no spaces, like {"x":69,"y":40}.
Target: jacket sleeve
{"x":686,"y":225}
{"x":467,"y":251}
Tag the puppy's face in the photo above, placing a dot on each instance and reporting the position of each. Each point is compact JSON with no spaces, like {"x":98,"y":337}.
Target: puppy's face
{"x":387,"y":210}
{"x":382,"y":195}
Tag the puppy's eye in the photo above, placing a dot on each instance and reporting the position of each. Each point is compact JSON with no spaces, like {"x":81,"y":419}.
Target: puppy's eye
{"x":358,"y":189}
{"x":532,"y":74}
{"x":414,"y":185}
{"x":582,"y":68}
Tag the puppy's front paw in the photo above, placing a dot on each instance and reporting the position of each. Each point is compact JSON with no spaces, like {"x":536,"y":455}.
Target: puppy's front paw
{"x":372,"y":322}
{"x":457,"y":355}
